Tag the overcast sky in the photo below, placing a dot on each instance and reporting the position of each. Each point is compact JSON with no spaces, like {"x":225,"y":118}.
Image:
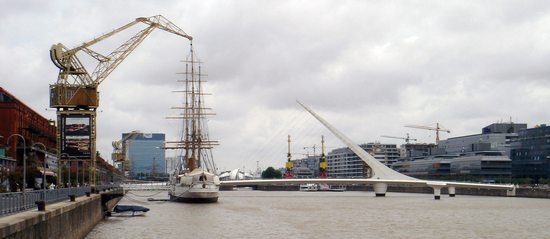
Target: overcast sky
{"x":368,"y":67}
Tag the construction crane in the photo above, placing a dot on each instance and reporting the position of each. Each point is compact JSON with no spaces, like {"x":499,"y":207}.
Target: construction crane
{"x":75,"y":94}
{"x":436,"y":129}
{"x":407,"y":139}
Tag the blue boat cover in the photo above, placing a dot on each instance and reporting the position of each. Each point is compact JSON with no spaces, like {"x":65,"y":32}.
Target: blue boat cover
{"x":129,"y":208}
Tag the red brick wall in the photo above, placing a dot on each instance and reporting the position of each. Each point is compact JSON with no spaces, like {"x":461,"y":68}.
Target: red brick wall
{"x":18,"y":118}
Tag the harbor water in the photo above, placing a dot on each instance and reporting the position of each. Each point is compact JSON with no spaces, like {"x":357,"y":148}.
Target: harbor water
{"x":294,"y":214}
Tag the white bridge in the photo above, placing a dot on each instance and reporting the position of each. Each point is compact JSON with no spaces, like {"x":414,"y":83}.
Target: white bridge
{"x":382,"y":175}
{"x":137,"y":185}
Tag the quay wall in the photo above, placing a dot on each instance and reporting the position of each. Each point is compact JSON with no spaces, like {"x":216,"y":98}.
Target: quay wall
{"x":59,"y":220}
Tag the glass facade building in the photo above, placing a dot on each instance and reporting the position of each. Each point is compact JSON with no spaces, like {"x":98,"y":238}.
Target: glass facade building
{"x":531,"y":153}
{"x":146,"y":155}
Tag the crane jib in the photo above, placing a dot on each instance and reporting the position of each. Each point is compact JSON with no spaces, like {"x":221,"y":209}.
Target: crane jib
{"x":75,"y":93}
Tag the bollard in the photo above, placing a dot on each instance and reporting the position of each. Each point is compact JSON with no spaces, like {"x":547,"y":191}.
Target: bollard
{"x":72,"y":198}
{"x":87,"y":194}
{"x":41,"y":205}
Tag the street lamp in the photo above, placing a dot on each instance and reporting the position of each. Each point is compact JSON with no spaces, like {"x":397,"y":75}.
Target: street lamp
{"x":69,"y":171}
{"x":43,"y":170}
{"x":56,"y":153}
{"x":24,"y":162}
{"x":59,"y":167}
{"x":77,"y":173}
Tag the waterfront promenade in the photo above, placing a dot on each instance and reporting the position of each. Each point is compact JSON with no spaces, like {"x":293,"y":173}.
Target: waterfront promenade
{"x":63,"y":216}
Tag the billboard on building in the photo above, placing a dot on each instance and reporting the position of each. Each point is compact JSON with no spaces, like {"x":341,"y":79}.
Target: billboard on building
{"x":75,"y":137}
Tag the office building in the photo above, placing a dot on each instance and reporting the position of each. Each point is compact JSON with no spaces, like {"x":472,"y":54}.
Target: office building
{"x":146,"y":155}
{"x":494,"y":137}
{"x":307,"y":167}
{"x":531,"y":153}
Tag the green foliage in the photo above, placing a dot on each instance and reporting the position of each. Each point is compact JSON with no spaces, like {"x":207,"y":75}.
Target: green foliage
{"x":522,"y":181}
{"x":16,"y":181}
{"x":502,"y":180}
{"x":270,"y":172}
{"x":544,"y":181}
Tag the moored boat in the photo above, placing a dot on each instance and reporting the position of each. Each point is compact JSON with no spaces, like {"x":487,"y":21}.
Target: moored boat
{"x":309,"y":187}
{"x":129,"y":210}
{"x":194,"y":179}
{"x":196,"y":186}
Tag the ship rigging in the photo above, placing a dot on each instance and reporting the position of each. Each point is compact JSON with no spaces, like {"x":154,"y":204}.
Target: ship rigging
{"x":194,"y":179}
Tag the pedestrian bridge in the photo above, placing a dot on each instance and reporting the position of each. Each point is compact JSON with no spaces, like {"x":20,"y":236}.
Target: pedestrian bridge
{"x":382,"y":175}
{"x":136,"y":185}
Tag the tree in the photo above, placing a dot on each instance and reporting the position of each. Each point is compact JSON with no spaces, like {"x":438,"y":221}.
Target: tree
{"x":271,"y":173}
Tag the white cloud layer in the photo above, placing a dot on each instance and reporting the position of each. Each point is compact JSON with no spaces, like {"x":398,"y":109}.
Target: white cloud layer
{"x":369,"y":67}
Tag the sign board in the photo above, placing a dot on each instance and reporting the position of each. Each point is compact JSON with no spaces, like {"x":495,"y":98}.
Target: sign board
{"x":75,"y":136}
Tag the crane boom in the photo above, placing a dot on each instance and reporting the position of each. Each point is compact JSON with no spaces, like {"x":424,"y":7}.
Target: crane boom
{"x":75,"y":93}
{"x":407,"y":139}
{"x":436,"y":129}
{"x":75,"y":87}
{"x":119,"y":146}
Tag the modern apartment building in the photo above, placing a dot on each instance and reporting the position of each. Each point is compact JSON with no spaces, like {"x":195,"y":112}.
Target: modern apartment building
{"x":343,"y":163}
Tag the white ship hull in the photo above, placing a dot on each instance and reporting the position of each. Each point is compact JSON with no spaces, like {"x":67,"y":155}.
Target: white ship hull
{"x":197,"y":186}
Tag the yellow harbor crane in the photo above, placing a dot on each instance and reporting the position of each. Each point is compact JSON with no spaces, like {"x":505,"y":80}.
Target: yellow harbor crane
{"x":436,"y":129}
{"x":120,"y":148}
{"x":75,"y":94}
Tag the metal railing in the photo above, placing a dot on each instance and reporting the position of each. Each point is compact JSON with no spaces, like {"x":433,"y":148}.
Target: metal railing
{"x":14,"y":202}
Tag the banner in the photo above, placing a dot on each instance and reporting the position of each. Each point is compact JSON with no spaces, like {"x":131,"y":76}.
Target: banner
{"x":75,"y":137}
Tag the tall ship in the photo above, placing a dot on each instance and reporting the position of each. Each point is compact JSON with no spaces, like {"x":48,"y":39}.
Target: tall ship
{"x":194,"y":179}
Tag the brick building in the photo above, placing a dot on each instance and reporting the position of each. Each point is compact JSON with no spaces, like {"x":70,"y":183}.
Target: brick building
{"x":18,"y":118}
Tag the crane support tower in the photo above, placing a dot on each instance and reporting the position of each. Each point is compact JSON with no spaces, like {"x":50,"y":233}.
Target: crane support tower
{"x":436,"y":129}
{"x":323,"y":165}
{"x":289,"y":165}
{"x":75,"y":93}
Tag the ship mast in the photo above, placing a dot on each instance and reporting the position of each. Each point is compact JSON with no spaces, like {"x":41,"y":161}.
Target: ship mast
{"x":191,"y":161}
{"x":186,"y":120}
{"x":194,"y":140}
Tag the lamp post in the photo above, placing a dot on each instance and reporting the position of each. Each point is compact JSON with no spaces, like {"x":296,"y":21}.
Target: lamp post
{"x":43,"y":170}
{"x":24,"y":162}
{"x":70,"y":184}
{"x":77,"y":173}
{"x":56,"y":153}
{"x":59,"y":167}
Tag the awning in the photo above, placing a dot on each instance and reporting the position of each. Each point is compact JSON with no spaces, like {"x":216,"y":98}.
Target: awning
{"x":48,"y":173}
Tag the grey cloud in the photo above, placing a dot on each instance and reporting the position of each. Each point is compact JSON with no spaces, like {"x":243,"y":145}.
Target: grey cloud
{"x":368,"y":67}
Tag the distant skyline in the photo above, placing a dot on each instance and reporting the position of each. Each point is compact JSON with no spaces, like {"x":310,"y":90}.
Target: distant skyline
{"x":368,"y":67}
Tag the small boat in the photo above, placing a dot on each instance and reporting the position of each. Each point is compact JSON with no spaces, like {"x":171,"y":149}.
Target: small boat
{"x":331,"y":188}
{"x":309,"y":187}
{"x":313,"y":187}
{"x":126,"y":209}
